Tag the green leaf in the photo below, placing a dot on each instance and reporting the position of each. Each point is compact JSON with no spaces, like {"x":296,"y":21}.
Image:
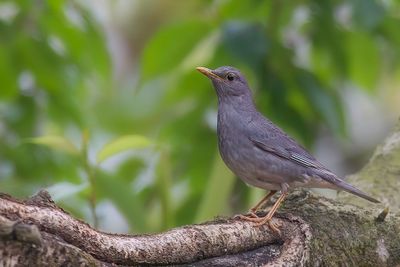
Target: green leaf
{"x":245,"y":10}
{"x":170,"y":46}
{"x":245,"y":41}
{"x":64,"y":190}
{"x":367,"y":14}
{"x":364,"y":60}
{"x":55,"y":142}
{"x":122,"y":144}
{"x":324,"y":102}
{"x":8,"y":74}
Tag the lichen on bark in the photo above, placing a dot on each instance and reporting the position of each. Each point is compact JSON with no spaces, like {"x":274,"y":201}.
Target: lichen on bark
{"x":381,"y":175}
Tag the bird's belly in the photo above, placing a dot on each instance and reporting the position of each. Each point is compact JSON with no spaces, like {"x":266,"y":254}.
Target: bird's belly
{"x":254,"y":168}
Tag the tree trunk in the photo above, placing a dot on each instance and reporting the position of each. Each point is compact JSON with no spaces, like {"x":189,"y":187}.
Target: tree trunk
{"x":315,"y":231}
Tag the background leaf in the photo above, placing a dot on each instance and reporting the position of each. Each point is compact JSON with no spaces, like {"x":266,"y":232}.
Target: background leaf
{"x":122,"y":144}
{"x":55,"y":142}
{"x":156,"y":61}
{"x":363,"y":51}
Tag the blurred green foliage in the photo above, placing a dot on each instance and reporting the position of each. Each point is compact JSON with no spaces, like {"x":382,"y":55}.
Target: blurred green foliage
{"x":57,"y":86}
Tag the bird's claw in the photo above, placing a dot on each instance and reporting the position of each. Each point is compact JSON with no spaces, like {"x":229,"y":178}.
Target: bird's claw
{"x":259,"y":221}
{"x":248,"y":217}
{"x":271,"y":225}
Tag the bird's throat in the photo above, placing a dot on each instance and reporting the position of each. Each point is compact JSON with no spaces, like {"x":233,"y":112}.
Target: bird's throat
{"x":240,"y":103}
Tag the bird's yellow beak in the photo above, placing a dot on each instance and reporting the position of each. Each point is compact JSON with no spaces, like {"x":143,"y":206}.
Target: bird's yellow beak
{"x":208,"y":73}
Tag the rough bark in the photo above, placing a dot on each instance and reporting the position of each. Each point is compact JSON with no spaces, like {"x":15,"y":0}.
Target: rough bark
{"x":315,"y":231}
{"x":381,"y":175}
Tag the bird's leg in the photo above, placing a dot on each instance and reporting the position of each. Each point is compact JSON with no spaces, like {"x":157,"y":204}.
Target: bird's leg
{"x":253,"y":210}
{"x":259,"y":221}
{"x":267,"y":218}
{"x":262,"y":201}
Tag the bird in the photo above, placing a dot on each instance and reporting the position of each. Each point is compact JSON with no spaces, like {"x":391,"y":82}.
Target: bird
{"x":259,"y":152}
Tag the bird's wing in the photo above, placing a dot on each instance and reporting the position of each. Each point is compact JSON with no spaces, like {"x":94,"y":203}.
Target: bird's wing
{"x":272,"y":139}
{"x":287,"y":153}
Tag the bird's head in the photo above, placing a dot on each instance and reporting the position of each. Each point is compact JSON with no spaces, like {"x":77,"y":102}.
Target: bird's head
{"x":227,"y":81}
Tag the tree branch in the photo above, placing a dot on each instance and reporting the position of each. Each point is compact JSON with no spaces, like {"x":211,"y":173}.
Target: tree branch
{"x":232,"y":242}
{"x":181,"y":245}
{"x":315,"y":231}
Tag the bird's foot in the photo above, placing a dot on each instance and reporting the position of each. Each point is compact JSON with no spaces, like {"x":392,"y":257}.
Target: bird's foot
{"x":259,"y":221}
{"x":270,"y":223}
{"x":248,"y":217}
{"x":253,"y":211}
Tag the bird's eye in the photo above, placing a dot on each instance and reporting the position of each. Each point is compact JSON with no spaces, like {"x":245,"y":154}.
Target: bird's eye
{"x":230,"y":76}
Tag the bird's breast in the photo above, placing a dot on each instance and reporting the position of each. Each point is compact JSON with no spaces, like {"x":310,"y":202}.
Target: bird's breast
{"x":235,"y":148}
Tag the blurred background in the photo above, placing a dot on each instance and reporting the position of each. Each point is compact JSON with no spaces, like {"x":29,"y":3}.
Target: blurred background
{"x":101,"y":105}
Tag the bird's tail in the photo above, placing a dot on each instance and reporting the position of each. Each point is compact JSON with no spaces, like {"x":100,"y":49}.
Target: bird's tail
{"x":333,"y":179}
{"x":353,"y":190}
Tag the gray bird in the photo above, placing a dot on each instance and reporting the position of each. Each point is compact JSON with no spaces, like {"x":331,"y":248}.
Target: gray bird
{"x":259,"y":152}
